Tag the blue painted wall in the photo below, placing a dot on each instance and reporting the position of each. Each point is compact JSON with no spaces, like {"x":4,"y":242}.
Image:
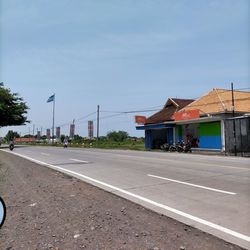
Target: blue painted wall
{"x":210,"y":135}
{"x":211,"y":142}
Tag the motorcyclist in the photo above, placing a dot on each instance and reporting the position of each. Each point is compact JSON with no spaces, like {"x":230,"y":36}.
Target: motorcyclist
{"x":65,"y":143}
{"x":11,"y":144}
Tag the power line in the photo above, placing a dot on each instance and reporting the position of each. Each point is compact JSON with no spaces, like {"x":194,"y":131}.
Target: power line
{"x":86,"y":116}
{"x":78,"y":119}
{"x":150,"y":109}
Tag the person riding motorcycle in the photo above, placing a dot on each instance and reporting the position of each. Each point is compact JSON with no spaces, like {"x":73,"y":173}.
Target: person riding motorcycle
{"x":65,"y":143}
{"x":11,"y":144}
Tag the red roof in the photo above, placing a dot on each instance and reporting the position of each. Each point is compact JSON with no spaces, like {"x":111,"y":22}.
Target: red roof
{"x":172,"y":105}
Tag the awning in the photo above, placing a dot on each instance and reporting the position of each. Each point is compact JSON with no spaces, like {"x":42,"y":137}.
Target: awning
{"x":172,"y":124}
{"x":155,"y":126}
{"x":199,"y":120}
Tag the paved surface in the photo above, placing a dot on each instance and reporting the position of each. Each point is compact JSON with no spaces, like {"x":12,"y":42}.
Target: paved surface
{"x":47,"y":209}
{"x":208,"y":192}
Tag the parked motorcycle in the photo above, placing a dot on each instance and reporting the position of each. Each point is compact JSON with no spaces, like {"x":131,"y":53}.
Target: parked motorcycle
{"x":180,"y":146}
{"x":165,"y":147}
{"x":173,"y":148}
{"x":187,"y":147}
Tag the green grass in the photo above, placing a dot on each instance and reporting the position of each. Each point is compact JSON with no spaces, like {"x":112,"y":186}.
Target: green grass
{"x":132,"y":145}
{"x":119,"y":145}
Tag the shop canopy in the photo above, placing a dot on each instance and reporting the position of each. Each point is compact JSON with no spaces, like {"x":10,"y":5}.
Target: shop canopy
{"x":172,"y":124}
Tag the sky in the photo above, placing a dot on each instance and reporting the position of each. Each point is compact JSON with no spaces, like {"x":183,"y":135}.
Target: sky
{"x":124,"y":55}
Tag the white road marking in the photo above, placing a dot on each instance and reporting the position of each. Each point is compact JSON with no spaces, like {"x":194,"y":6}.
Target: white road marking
{"x":193,"y":185}
{"x":212,"y":165}
{"x":173,"y":210}
{"x":32,"y":205}
{"x":45,"y":154}
{"x":79,"y":160}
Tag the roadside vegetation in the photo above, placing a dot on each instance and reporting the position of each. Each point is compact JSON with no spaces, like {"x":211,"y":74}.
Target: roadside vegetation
{"x":113,"y":140}
{"x":13,"y":109}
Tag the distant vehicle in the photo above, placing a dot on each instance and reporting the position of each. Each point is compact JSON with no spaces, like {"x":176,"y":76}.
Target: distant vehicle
{"x":11,"y":145}
{"x":65,"y":143}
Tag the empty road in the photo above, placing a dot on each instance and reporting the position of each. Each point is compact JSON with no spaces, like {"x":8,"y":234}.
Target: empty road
{"x":211,"y":193}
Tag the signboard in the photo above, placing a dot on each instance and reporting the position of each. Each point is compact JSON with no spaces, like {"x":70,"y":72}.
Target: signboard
{"x":30,"y":139}
{"x":48,"y":133}
{"x":58,"y":132}
{"x":90,"y":129}
{"x":187,"y":115}
{"x":38,"y":135}
{"x":72,"y":131}
{"x":139,"y":119}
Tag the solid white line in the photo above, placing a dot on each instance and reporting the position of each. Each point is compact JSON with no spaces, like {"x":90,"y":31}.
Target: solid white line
{"x":193,"y":185}
{"x":79,"y":160}
{"x":173,"y":210}
{"x":45,"y":154}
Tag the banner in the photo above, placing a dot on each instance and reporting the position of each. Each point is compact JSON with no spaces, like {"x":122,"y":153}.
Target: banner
{"x":38,"y":135}
{"x":48,"y":133}
{"x":72,"y":131}
{"x":90,"y":129}
{"x":58,"y":132}
{"x":139,"y":119}
{"x":187,"y":115}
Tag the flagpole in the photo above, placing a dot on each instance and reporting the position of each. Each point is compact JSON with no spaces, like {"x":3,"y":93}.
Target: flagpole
{"x":53,"y":119}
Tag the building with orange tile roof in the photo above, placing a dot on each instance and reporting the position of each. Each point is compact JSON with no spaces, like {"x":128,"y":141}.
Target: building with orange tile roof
{"x":219,"y":101}
{"x":201,"y":122}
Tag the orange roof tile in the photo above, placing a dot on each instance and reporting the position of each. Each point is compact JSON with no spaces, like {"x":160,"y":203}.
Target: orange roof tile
{"x":220,"y":100}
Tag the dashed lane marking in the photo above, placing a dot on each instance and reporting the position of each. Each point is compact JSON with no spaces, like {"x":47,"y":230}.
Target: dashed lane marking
{"x":170,"y":209}
{"x":192,"y":185}
{"x":79,"y":160}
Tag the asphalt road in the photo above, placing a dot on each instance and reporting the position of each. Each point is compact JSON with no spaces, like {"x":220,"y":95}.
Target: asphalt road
{"x":211,"y":193}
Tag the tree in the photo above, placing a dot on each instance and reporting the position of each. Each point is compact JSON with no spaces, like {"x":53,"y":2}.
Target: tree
{"x":117,"y":136}
{"x":77,"y":139}
{"x":11,"y":135}
{"x":12,"y":108}
{"x":62,"y":137}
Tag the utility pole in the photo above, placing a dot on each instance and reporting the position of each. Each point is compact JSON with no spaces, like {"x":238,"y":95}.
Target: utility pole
{"x":97,"y":127}
{"x":53,"y":119}
{"x":234,"y":132}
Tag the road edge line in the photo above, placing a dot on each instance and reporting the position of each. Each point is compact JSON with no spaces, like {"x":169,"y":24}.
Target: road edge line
{"x":173,"y":210}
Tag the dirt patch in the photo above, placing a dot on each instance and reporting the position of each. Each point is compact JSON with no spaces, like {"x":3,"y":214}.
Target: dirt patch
{"x":50,"y":210}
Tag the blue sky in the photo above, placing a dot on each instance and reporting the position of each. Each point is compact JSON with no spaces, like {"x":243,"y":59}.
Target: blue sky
{"x":121,"y":54}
